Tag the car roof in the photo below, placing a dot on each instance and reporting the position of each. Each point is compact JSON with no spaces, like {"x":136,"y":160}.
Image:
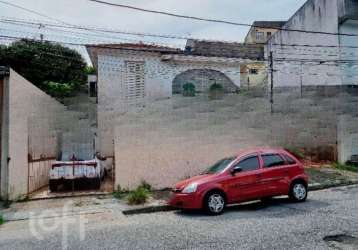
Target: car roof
{"x":261,"y":150}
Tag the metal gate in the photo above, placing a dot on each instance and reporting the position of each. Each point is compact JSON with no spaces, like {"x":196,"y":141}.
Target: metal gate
{"x":38,"y":170}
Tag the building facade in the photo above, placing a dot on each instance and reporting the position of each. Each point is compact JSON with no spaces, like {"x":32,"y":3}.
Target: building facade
{"x":323,"y":56}
{"x":255,"y":74}
{"x":134,"y":75}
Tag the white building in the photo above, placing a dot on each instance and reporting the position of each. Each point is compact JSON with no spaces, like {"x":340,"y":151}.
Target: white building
{"x":320,"y":57}
{"x":132,"y":75}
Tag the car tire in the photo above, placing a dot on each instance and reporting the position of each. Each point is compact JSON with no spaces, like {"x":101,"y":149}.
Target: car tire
{"x":53,"y":186}
{"x":298,"y":191}
{"x":214,"y":203}
{"x":97,"y":183}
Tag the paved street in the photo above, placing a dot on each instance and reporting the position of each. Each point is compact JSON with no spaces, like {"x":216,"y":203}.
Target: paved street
{"x":328,"y":220}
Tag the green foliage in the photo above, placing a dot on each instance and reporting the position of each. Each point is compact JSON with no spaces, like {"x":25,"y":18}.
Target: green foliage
{"x":60,"y":89}
{"x":120,"y":193}
{"x":44,"y":62}
{"x":1,"y":220}
{"x":146,"y":185}
{"x":139,"y":196}
{"x":89,"y":70}
{"x":136,"y":197}
{"x":22,"y":198}
{"x":188,"y":89}
{"x":216,"y":86}
{"x":346,"y":167}
{"x":5,"y":203}
{"x":216,"y":91}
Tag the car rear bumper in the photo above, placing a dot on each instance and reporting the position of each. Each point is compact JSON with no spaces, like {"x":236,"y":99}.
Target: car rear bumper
{"x":185,"y":201}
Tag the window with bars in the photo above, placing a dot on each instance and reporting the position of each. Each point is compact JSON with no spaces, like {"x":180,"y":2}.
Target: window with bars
{"x":135,"y":92}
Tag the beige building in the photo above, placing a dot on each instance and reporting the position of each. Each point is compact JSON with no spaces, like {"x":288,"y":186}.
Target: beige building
{"x":261,"y":31}
{"x":255,"y":74}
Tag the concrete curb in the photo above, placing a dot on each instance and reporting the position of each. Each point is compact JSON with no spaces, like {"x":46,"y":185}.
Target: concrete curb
{"x":166,"y":208}
{"x":70,"y":195}
{"x":149,"y":209}
{"x":319,"y":186}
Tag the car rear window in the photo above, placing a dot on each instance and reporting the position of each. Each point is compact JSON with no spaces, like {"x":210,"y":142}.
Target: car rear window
{"x":289,"y":159}
{"x":272,"y":160}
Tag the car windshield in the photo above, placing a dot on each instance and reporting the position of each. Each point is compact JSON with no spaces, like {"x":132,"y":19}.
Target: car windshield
{"x":219,"y":166}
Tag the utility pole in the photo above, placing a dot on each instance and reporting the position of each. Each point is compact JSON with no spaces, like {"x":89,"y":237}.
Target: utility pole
{"x":41,"y":34}
{"x":271,"y":87}
{"x":301,"y":81}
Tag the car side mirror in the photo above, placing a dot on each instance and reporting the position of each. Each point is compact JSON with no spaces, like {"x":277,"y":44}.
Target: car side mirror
{"x":235,"y":170}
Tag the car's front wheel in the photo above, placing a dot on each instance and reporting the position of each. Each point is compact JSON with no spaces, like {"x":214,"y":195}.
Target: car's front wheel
{"x":214,"y":203}
{"x":298,"y":191}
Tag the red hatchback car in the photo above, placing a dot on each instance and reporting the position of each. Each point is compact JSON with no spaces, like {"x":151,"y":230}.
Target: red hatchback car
{"x":251,"y":175}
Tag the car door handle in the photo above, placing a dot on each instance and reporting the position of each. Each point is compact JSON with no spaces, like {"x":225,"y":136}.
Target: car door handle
{"x":259,"y":175}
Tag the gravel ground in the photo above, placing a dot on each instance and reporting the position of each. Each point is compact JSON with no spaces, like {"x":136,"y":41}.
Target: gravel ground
{"x":328,"y":220}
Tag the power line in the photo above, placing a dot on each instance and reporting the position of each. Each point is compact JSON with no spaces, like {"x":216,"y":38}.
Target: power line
{"x":98,"y":29}
{"x":32,"y":11}
{"x":81,"y":44}
{"x":276,"y":59}
{"x":37,"y":13}
{"x":87,"y":35}
{"x":178,"y":37}
{"x":216,"y":20}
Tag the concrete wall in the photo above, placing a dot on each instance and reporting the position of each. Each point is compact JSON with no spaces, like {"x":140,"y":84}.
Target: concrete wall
{"x":159,"y":77}
{"x":225,"y":49}
{"x":179,"y":137}
{"x":347,"y":137}
{"x":314,"y":15}
{"x":249,"y":80}
{"x":31,"y":128}
{"x":349,"y":52}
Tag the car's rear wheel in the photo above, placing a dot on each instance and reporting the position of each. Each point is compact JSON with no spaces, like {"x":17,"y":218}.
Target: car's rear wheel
{"x":214,"y":203}
{"x":53,"y":186}
{"x":298,"y":191}
{"x":97,"y":183}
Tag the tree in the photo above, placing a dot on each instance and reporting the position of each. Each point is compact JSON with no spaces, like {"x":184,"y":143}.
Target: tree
{"x":43,"y":63}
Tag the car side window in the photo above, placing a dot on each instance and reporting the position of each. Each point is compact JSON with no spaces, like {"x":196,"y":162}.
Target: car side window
{"x":272,"y":160}
{"x":249,"y":164}
{"x":289,"y":159}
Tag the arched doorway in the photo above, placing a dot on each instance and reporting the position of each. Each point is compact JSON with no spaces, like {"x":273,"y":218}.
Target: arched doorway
{"x":202,"y":79}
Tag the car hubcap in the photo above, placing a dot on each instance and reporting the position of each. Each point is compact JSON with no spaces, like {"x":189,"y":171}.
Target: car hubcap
{"x":216,"y":203}
{"x":299,"y":191}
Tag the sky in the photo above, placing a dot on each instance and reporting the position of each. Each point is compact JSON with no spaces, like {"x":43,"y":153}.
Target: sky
{"x":87,"y":13}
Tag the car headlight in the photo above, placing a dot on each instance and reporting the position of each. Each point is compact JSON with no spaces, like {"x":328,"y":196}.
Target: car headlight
{"x":190,"y":188}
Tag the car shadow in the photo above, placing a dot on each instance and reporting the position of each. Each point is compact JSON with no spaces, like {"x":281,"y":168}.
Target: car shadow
{"x":270,"y":206}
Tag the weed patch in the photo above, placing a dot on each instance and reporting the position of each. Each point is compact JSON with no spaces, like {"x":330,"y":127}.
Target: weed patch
{"x":120,"y":193}
{"x":1,"y":220}
{"x":139,"y":196}
{"x":346,"y":167}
